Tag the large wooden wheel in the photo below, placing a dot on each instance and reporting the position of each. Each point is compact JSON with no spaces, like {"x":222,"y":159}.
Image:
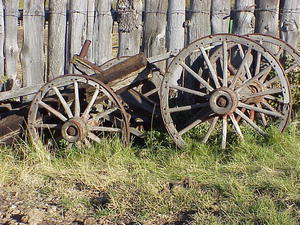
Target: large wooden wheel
{"x":76,"y":109}
{"x":224,"y":89}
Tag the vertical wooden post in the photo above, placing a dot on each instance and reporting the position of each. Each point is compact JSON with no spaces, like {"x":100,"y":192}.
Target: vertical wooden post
{"x":267,"y":17}
{"x":90,"y":25}
{"x":57,"y":38}
{"x":130,"y":26}
{"x":2,"y":37}
{"x":103,"y":32}
{"x":220,"y":18}
{"x":77,"y":23}
{"x":199,"y":25}
{"x":244,"y":19}
{"x":289,"y":23}
{"x":11,"y":50}
{"x":32,"y":54}
{"x":154,"y":41}
{"x":175,"y":30}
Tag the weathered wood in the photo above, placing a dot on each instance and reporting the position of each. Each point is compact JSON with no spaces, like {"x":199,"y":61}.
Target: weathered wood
{"x":102,"y":38}
{"x":244,"y":19}
{"x":32,"y":54}
{"x":11,"y":40}
{"x":6,"y":95}
{"x":130,"y":26}
{"x":154,"y":40}
{"x":57,"y":38}
{"x":267,"y":19}
{"x":220,"y":16}
{"x":90,"y":25}
{"x":199,"y":23}
{"x":289,"y":23}
{"x":78,"y":20}
{"x":2,"y":38}
{"x":175,"y":31}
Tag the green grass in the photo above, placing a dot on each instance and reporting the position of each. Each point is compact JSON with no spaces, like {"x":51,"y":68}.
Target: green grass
{"x":256,"y":182}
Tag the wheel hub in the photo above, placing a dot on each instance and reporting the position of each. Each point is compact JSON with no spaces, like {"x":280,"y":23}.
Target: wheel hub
{"x":74,"y":130}
{"x":223,"y":101}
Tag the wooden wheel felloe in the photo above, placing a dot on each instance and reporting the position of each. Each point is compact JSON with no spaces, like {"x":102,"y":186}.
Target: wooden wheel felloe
{"x":77,"y":109}
{"x":224,"y":78}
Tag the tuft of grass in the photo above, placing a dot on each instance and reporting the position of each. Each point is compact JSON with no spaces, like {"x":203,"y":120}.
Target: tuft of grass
{"x":255,"y":182}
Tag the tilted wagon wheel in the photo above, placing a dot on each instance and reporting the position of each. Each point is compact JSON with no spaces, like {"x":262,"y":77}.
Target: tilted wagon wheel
{"x":224,"y":87}
{"x":77,"y":109}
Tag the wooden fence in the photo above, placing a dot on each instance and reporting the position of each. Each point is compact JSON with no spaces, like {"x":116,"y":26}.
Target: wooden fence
{"x":40,"y":47}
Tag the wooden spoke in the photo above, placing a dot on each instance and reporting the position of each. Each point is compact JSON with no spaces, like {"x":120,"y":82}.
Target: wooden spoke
{"x":291,"y":68}
{"x":267,"y":112}
{"x":263,"y":116}
{"x":250,"y":122}
{"x":53,"y":111}
{"x":236,"y":126}
{"x":63,"y":102}
{"x":94,"y":138}
{"x":266,"y":74}
{"x":105,"y":129}
{"x":105,"y":113}
{"x":269,"y":106}
{"x":263,"y":93}
{"x":77,"y":100}
{"x":224,"y":132}
{"x":190,"y":91}
{"x":210,"y":130}
{"x":201,"y":118}
{"x":211,"y":68}
{"x":258,"y":63}
{"x":186,"y":108}
{"x":87,"y":143}
{"x":270,"y":97}
{"x":47,"y":126}
{"x":149,"y":93}
{"x":268,"y":83}
{"x":241,"y":68}
{"x":91,"y":103}
{"x":197,"y":77}
{"x":225,"y":64}
{"x":249,"y":75}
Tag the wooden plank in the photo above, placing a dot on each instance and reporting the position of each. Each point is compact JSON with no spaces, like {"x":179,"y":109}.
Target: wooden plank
{"x":32,"y":54}
{"x":154,"y":41}
{"x":267,"y":19}
{"x":2,"y":38}
{"x":57,"y":38}
{"x":77,"y":29}
{"x":11,"y":50}
{"x":289,"y":22}
{"x":199,"y":19}
{"x":130,"y":26}
{"x":90,"y":26}
{"x":6,"y":95}
{"x":175,"y":31}
{"x":220,"y":16}
{"x":102,"y":37}
{"x":244,"y":20}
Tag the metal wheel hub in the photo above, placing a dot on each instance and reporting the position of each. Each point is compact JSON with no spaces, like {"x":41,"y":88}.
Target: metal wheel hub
{"x":254,"y":88}
{"x":74,"y":130}
{"x":223,"y":101}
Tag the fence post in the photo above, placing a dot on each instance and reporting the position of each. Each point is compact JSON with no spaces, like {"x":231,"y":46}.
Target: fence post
{"x":57,"y":38}
{"x":103,"y":32}
{"x":220,"y":10}
{"x":130,"y":26}
{"x":244,"y":19}
{"x":267,"y":17}
{"x":154,"y":41}
{"x":199,"y":25}
{"x":11,"y":49}
{"x":175,"y":30}
{"x":2,"y":36}
{"x":32,"y":54}
{"x":289,"y":22}
{"x":90,"y":25}
{"x":77,"y":25}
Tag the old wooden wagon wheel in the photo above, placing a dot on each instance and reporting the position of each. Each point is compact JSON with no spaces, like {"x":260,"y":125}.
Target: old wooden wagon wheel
{"x":77,"y":109}
{"x":224,"y":88}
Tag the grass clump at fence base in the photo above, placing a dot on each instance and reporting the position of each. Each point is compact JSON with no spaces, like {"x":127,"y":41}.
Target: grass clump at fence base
{"x":256,"y":182}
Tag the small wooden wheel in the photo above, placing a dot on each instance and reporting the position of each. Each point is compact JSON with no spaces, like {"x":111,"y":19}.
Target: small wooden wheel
{"x":77,"y":109}
{"x":223,"y":77}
